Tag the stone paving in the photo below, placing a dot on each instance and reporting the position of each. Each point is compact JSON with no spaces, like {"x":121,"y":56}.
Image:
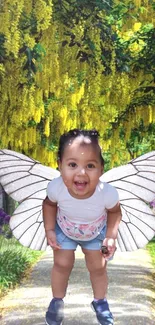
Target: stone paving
{"x":130,"y":294}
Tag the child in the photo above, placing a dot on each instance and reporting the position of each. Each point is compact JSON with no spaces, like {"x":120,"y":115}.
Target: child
{"x":80,"y":210}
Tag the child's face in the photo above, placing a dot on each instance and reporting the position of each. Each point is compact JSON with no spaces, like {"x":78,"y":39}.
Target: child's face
{"x":81,"y":168}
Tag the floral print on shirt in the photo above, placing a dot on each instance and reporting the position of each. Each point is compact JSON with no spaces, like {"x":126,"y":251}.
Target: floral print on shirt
{"x":81,"y":231}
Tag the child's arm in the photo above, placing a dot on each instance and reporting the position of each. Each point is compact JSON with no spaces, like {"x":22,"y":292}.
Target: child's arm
{"x":113,"y":220}
{"x":114,"y":217}
{"x":49,"y":218}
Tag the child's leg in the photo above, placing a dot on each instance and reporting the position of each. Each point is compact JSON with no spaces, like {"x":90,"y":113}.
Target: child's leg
{"x":63,"y":264}
{"x":96,"y":265}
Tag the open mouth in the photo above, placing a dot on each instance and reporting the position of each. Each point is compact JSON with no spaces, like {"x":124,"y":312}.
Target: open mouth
{"x":80,"y":185}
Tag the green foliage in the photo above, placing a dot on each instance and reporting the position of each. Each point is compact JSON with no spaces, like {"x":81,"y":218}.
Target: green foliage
{"x":151,"y":249}
{"x":44,"y":67}
{"x":15,"y":261}
{"x":2,"y":49}
{"x":146,"y":58}
{"x":33,"y":61}
{"x":141,"y":139}
{"x":75,"y":9}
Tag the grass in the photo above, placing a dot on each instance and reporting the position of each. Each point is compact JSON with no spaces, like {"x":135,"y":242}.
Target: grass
{"x":151,"y":249}
{"x":16,"y":260}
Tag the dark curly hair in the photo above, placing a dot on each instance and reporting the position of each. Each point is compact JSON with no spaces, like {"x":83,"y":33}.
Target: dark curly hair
{"x":93,"y":135}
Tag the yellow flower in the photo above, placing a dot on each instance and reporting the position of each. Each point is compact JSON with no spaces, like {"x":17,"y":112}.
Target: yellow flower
{"x":29,"y":41}
{"x":47,"y":128}
{"x":137,"y":26}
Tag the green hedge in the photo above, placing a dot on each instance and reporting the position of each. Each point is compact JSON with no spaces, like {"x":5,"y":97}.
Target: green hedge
{"x":15,"y":261}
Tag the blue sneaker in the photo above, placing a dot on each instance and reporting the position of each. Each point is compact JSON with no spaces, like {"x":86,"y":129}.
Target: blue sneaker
{"x":55,"y":314}
{"x":103,"y":313}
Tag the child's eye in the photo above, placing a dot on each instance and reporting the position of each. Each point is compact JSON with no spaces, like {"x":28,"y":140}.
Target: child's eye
{"x":72,"y":164}
{"x":90,"y":166}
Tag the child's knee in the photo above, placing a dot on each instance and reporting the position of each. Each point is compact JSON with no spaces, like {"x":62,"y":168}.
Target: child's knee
{"x":63,"y":263}
{"x":95,"y":262}
{"x":98,"y":269}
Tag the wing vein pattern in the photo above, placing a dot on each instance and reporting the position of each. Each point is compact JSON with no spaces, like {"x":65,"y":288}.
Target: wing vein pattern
{"x":25,"y":180}
{"x":135,"y":183}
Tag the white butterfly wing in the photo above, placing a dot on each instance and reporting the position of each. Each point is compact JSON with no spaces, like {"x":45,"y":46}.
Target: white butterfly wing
{"x":135,"y":183}
{"x":25,"y":180}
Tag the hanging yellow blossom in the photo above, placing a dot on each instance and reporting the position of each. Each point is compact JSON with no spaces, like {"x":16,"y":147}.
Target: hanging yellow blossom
{"x":43,"y":13}
{"x":70,"y":77}
{"x":47,"y":127}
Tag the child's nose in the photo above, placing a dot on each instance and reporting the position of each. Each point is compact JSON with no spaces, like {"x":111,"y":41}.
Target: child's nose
{"x":82,"y":171}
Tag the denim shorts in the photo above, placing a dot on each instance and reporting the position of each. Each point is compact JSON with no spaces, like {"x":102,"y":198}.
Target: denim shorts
{"x":68,"y":243}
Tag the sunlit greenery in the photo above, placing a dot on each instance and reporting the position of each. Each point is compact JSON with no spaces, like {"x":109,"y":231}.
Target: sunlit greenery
{"x":77,"y":63}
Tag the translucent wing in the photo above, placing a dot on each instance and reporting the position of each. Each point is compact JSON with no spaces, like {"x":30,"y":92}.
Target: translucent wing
{"x":25,"y":180}
{"x":135,"y":183}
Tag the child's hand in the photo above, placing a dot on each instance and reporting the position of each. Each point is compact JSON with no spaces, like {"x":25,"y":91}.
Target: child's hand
{"x":110,"y":243}
{"x":51,"y":239}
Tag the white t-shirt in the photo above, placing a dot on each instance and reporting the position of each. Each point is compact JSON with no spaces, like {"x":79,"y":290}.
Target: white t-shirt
{"x":82,"y":219}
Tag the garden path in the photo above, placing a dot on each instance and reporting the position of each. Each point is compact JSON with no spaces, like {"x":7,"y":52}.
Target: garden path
{"x":130,"y":294}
